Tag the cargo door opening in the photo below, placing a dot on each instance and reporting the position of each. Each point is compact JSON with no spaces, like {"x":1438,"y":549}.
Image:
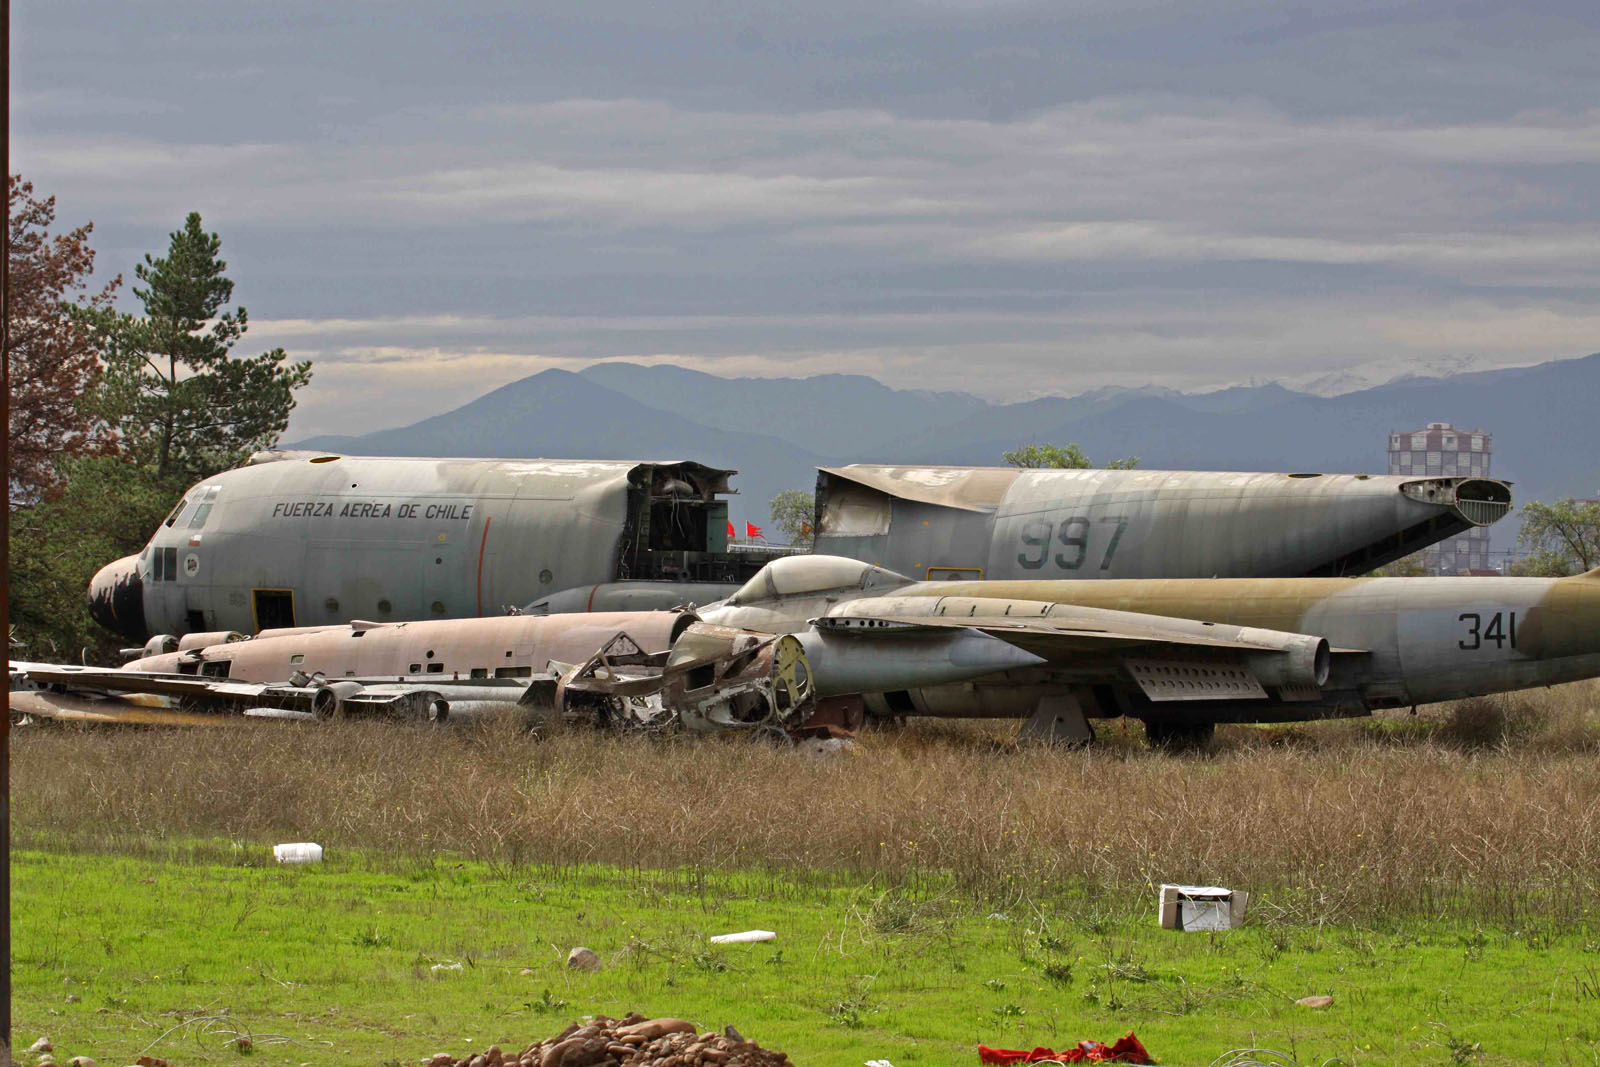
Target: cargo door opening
{"x":274,"y":608}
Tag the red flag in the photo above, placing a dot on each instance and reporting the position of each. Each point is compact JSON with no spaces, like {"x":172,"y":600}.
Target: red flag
{"x":730,"y":528}
{"x":752,"y":530}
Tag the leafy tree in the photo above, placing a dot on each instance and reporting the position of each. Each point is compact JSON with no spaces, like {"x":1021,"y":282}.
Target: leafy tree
{"x":1560,"y":538}
{"x":1540,"y":564}
{"x":792,"y":512}
{"x":1405,"y":567}
{"x":54,"y":364}
{"x":1071,"y":456}
{"x":182,"y":405}
{"x":102,"y":510}
{"x":53,"y":354}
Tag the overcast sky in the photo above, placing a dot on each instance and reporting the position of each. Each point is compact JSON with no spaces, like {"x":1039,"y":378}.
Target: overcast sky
{"x":1006,"y":198}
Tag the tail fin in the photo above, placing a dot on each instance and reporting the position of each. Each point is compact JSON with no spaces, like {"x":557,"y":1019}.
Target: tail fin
{"x":1593,"y":576}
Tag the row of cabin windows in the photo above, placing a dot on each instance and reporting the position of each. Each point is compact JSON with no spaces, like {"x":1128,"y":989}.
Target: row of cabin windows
{"x":476,"y":672}
{"x":434,"y":668}
{"x":219,"y":668}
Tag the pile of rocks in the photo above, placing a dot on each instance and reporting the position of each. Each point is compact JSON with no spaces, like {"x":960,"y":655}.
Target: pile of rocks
{"x":632,"y":1041}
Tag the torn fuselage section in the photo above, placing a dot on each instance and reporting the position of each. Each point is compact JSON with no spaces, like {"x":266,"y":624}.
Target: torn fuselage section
{"x":676,"y":529}
{"x":1473,"y":501}
{"x":714,"y":678}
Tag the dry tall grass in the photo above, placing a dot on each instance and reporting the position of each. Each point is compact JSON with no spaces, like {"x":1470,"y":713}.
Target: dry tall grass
{"x":1485,"y":808}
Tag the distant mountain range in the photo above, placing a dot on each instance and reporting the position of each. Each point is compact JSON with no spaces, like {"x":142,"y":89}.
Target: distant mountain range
{"x":775,"y":430}
{"x":1380,"y":372}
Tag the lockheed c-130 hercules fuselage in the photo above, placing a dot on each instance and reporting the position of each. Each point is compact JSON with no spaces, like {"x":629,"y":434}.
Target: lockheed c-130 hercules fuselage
{"x":304,"y":538}
{"x":316,"y":538}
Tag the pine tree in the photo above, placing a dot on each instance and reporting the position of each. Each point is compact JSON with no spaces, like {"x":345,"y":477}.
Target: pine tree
{"x":182,"y":404}
{"x":172,"y":406}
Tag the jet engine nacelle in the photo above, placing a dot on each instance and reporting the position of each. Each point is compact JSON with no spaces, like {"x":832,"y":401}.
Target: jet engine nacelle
{"x":1301,"y":660}
{"x":328,"y":701}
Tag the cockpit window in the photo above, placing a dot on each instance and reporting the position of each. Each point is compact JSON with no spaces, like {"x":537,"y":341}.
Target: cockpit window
{"x":207,"y":501}
{"x":172,"y":519}
{"x":803,"y":575}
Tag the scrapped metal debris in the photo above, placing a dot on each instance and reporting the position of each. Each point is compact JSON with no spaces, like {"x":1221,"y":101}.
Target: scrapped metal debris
{"x":632,"y":1041}
{"x":713,"y":678}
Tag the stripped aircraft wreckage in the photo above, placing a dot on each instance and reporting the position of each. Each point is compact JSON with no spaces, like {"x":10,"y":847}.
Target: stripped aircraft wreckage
{"x":811,"y":641}
{"x":628,"y":670}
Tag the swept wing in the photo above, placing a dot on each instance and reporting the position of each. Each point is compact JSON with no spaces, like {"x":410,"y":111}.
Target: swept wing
{"x":1166,"y":658}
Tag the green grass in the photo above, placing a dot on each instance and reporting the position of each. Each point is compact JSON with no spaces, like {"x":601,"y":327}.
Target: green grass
{"x":180,"y":954}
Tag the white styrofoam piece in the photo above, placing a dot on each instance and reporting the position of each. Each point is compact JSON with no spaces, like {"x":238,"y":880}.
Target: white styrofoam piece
{"x":744,"y":937}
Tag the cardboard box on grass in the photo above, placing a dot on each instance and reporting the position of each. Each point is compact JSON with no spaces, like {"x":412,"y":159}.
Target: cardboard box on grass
{"x":1202,"y":907}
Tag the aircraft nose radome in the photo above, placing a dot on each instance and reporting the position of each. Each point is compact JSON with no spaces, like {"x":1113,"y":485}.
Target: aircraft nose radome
{"x":116,"y":598}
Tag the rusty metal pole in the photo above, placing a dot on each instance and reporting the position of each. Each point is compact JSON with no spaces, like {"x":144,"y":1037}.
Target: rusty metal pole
{"x":5,"y":519}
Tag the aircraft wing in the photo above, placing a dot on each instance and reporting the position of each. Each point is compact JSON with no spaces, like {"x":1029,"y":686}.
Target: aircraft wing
{"x":1057,"y":640}
{"x":69,"y":691}
{"x":1166,"y":658}
{"x":110,"y":680}
{"x":76,"y":707}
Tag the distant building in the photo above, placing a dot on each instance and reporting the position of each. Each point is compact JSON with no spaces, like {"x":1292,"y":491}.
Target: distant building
{"x":1442,"y":451}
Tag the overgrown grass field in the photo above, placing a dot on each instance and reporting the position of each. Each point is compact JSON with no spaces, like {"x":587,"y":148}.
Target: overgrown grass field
{"x":941,"y":887}
{"x":351,"y":964}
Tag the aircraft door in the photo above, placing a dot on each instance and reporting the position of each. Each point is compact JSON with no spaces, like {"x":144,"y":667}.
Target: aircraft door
{"x":274,"y":608}
{"x":938,"y":543}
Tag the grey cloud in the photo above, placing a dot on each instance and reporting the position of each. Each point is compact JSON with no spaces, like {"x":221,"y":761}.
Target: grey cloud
{"x":442,"y":199}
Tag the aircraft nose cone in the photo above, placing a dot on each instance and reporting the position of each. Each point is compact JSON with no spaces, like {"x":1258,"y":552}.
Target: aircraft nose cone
{"x":116,"y":599}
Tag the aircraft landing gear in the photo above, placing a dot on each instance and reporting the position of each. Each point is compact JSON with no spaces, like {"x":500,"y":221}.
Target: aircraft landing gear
{"x":1178,"y":736}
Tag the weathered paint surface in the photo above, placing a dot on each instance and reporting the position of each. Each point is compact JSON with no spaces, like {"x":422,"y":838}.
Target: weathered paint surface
{"x":634,"y":670}
{"x":318,"y":538}
{"x":1391,"y":641}
{"x":1423,"y":639}
{"x":959,"y":523}
{"x":500,"y":649}
{"x":315,"y":538}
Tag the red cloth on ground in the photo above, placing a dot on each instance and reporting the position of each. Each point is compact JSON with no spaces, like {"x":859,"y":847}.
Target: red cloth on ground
{"x":1126,"y":1049}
